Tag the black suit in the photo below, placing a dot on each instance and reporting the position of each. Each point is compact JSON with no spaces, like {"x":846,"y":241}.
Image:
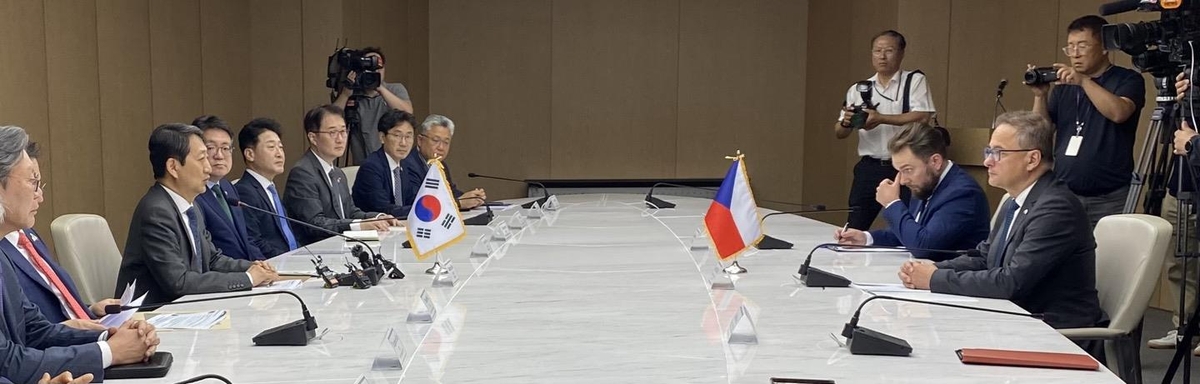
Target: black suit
{"x":1048,"y":266}
{"x":309,"y":198}
{"x":416,"y":168}
{"x":30,"y":345}
{"x":159,"y":254}
{"x":264,"y":230}
{"x":373,"y":189}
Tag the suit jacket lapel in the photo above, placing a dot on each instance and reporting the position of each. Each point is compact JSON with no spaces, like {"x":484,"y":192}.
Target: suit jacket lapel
{"x":1022,"y":214}
{"x":62,"y":275}
{"x":326,"y":181}
{"x":25,"y":267}
{"x":182,"y":224}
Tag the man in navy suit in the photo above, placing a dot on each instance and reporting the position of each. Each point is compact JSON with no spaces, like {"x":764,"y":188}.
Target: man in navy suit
{"x":44,"y":283}
{"x":31,"y":346}
{"x":948,"y":209}
{"x":226,"y":223}
{"x":262,"y":149}
{"x":381,"y":185}
{"x":433,"y":140}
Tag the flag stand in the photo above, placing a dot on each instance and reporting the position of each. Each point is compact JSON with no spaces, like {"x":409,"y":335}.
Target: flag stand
{"x":735,"y":268}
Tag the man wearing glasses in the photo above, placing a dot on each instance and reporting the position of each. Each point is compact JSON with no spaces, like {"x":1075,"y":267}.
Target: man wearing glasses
{"x":226,"y":223}
{"x":902,"y":99}
{"x":1094,"y":107}
{"x":317,"y":192}
{"x":433,"y":140}
{"x":381,"y":184}
{"x":1041,"y":252}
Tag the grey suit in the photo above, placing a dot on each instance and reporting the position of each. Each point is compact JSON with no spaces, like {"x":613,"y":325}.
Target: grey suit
{"x":1048,"y":267}
{"x":31,"y":345}
{"x":308,"y":197}
{"x":158,"y":254}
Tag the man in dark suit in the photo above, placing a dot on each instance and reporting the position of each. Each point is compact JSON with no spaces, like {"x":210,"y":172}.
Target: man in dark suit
{"x":1041,"y":254}
{"x":948,"y":210}
{"x":44,"y":283}
{"x":226,"y":223}
{"x":317,"y":192}
{"x":169,"y":251}
{"x":31,"y":346}
{"x":262,"y":149}
{"x":433,"y":140}
{"x":381,"y":185}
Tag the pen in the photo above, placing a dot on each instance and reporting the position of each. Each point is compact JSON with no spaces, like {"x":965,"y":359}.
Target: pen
{"x":843,"y":232}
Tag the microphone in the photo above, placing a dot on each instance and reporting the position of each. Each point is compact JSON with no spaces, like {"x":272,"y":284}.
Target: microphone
{"x":238,"y":203}
{"x":654,"y":202}
{"x":541,"y":201}
{"x":483,"y":219}
{"x":817,"y":278}
{"x":298,"y":332}
{"x":769,"y":242}
{"x":866,"y":341}
{"x":1116,"y":7}
{"x":1000,"y":88}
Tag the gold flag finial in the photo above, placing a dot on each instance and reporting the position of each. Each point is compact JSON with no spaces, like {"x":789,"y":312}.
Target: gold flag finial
{"x":739,"y":156}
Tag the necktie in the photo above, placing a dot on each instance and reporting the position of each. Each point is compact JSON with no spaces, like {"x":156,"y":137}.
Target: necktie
{"x":72,"y":306}
{"x":283,"y":224}
{"x":398,"y":186}
{"x":194,"y":228}
{"x":1001,"y":241}
{"x":336,"y":179}
{"x":220,"y":194}
{"x":920,"y":210}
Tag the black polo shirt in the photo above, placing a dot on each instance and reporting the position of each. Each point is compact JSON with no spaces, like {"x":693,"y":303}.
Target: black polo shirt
{"x":1105,"y":159}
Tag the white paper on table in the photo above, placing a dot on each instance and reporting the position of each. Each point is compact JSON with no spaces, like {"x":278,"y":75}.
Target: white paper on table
{"x":367,"y":235}
{"x":283,"y":285}
{"x":867,"y":250}
{"x":899,"y":290}
{"x":117,"y":319}
{"x":197,"y":320}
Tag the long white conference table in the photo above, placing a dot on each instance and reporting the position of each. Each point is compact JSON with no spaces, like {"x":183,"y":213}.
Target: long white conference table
{"x":605,"y":291}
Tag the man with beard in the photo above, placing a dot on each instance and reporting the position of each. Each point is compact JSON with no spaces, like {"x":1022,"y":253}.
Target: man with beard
{"x":948,"y":209}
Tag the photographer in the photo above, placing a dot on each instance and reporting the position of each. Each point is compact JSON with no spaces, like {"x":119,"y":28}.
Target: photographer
{"x":1094,"y":106}
{"x":372,"y":104}
{"x":882,"y":121}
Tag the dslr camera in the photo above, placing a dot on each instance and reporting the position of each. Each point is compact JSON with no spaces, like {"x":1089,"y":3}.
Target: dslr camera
{"x":345,"y":61}
{"x":858,"y":114}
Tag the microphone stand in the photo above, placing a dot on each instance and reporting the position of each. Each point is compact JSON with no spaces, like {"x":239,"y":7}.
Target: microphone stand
{"x":298,"y":332}
{"x":545,"y":192}
{"x":999,"y":105}
{"x":866,"y":341}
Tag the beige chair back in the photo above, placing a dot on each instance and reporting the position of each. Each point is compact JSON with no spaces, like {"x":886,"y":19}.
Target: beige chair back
{"x":86,"y":249}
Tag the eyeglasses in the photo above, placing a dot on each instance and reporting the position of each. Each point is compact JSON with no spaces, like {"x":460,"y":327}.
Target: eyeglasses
{"x":334,"y":134}
{"x":404,"y":137}
{"x":996,"y":153}
{"x":437,"y":142}
{"x":37,"y":184}
{"x":213,"y":150}
{"x":1073,"y":49}
{"x":883,"y":52}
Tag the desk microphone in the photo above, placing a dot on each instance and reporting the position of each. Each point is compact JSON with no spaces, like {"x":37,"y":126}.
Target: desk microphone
{"x":817,"y":278}
{"x":866,"y":341}
{"x":657,"y":203}
{"x":540,"y":202}
{"x":238,"y":203}
{"x":769,"y":242}
{"x":298,"y":332}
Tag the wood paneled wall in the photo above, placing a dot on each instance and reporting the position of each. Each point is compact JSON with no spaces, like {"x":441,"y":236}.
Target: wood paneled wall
{"x":90,"y":80}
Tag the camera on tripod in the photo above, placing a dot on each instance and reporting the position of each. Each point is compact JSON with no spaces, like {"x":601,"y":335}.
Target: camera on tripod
{"x":1161,"y":47}
{"x":858,"y":113}
{"x":345,"y":61}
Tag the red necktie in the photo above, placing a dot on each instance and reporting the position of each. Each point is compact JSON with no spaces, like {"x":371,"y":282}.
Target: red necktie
{"x":58,"y":285}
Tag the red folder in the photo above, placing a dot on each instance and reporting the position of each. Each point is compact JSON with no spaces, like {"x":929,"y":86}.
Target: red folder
{"x":1027,"y":358}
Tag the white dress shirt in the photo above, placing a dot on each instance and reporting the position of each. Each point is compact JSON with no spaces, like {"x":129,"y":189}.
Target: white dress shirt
{"x":890,"y":98}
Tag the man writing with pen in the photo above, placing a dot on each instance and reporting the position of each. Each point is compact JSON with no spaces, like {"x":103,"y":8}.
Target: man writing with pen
{"x":948,"y":210}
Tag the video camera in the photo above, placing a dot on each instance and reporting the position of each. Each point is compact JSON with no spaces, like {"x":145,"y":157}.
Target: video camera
{"x":1161,"y":47}
{"x":345,"y":61}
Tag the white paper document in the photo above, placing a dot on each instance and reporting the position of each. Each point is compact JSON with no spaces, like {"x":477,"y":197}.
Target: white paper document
{"x":367,"y":235}
{"x":114,"y":320}
{"x":899,"y":290}
{"x":282,"y":285}
{"x":197,"y":320}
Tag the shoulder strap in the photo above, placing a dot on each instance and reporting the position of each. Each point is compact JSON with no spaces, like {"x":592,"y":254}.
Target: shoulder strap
{"x":905,"y":108}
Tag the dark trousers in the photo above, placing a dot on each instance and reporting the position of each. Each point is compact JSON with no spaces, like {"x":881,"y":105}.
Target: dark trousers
{"x":867,"y":174}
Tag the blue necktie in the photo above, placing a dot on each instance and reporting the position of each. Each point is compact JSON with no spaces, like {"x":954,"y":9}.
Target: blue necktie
{"x":194,"y":227}
{"x":919,"y":214}
{"x":1009,"y":210}
{"x":283,"y":224}
{"x":397,"y":186}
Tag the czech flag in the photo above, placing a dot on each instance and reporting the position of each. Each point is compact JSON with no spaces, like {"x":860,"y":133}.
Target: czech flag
{"x":732,"y":220}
